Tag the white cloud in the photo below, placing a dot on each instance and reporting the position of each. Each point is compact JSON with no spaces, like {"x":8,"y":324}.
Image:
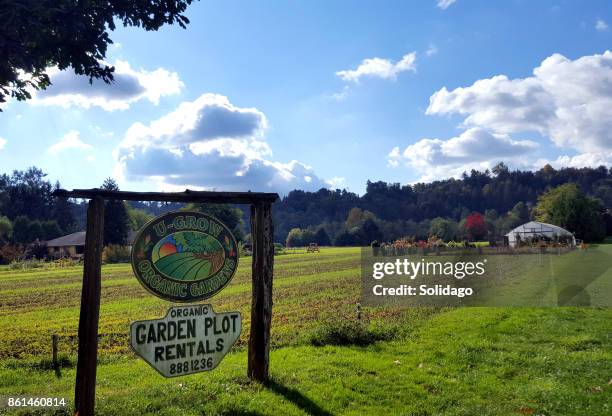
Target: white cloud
{"x":578,"y":161}
{"x":71,"y":140}
{"x":336,"y":182}
{"x":380,"y":68}
{"x":341,"y":95}
{"x":445,"y":4}
{"x":209,"y":143}
{"x":568,"y":101}
{"x":432,"y":50}
{"x":475,"y":148}
{"x":601,"y":25}
{"x":69,"y":89}
{"x":2,"y":143}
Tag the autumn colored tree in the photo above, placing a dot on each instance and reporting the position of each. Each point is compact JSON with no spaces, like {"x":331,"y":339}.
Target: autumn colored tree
{"x":475,"y":226}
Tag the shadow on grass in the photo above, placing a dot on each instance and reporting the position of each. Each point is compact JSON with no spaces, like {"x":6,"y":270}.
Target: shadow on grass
{"x":575,"y":277}
{"x":297,"y":398}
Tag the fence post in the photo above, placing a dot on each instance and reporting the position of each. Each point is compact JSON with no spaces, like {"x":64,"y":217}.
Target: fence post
{"x":85,"y":389}
{"x":54,"y":350}
{"x":261,"y":304}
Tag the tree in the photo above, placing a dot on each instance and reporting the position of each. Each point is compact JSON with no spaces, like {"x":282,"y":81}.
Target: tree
{"x":346,"y":238}
{"x":299,"y":238}
{"x":369,"y":232}
{"x":25,"y":230}
{"x":36,"y":35}
{"x":63,"y":214}
{"x":443,"y":228}
{"x":500,"y":169}
{"x":137,"y":217}
{"x":26,"y":193}
{"x":6,"y":229}
{"x":294,"y":238}
{"x":50,"y":229}
{"x":567,"y":207}
{"x":475,"y":226}
{"x":115,"y":217}
{"x":226,"y":213}
{"x":321,"y":237}
{"x":354,"y":217}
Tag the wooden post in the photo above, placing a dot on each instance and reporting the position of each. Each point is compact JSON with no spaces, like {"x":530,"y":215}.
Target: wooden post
{"x":54,"y":350}
{"x":261,"y":304}
{"x":85,"y":389}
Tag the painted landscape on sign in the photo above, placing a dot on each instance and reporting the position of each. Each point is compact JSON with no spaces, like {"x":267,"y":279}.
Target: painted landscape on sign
{"x":188,"y":255}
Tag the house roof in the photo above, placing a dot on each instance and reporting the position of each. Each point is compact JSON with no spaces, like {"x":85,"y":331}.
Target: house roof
{"x":535,"y":227}
{"x":78,"y":239}
{"x":74,"y":239}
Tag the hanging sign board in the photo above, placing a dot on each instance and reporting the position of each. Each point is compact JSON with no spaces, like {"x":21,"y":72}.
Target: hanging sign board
{"x":184,"y":256}
{"x":189,"y":339}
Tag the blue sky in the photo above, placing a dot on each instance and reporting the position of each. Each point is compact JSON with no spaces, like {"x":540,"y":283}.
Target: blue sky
{"x":274,"y":95}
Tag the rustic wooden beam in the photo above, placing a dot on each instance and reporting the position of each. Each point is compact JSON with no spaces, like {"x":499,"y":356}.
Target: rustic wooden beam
{"x":262,"y":233}
{"x":85,"y":389}
{"x":187,"y":196}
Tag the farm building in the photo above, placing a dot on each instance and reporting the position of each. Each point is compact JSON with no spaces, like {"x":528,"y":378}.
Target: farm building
{"x":538,"y":230}
{"x":73,"y":245}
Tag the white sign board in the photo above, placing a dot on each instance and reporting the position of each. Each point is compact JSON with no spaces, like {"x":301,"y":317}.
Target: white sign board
{"x":189,"y":339}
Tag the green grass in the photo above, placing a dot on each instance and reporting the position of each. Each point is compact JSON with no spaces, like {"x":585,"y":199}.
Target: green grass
{"x":415,"y":361}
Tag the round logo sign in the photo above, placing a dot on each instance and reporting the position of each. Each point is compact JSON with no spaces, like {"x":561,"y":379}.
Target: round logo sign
{"x":184,"y":256}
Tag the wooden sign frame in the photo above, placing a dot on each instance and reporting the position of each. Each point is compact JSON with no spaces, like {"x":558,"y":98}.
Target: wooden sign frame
{"x":262,"y":233}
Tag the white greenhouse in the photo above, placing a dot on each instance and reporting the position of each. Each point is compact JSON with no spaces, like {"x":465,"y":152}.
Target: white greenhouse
{"x":534,"y":229}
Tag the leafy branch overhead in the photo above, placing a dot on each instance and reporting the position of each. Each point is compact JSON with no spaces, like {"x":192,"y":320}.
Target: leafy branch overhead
{"x":38,"y":34}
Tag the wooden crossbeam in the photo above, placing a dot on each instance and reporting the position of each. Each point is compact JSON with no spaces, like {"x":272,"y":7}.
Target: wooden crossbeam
{"x":211,"y":197}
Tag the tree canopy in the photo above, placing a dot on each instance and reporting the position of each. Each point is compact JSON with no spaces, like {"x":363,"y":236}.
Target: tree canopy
{"x":38,"y":34}
{"x":568,"y":207}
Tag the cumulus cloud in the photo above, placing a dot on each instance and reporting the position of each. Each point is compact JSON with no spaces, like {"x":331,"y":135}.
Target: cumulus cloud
{"x":445,"y":4}
{"x":2,"y":143}
{"x":578,"y":161}
{"x":71,"y":140}
{"x":69,"y":89}
{"x":209,"y":143}
{"x":601,"y":25}
{"x":380,"y":68}
{"x":566,"y":100}
{"x":474,"y":148}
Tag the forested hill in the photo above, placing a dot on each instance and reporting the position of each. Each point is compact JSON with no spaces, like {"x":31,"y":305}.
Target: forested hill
{"x":386,"y":211}
{"x":398,"y":206}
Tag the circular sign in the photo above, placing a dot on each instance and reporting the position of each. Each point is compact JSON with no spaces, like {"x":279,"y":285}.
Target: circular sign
{"x":184,"y":256}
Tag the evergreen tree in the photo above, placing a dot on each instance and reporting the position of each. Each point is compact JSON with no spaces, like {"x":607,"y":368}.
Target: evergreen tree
{"x":321,"y":237}
{"x":116,"y":220}
{"x":63,"y":214}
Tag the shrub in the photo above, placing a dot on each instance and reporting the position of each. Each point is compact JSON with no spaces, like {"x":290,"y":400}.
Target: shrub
{"x":115,"y":253}
{"x":9,"y":252}
{"x":36,"y":250}
{"x":279,"y":249}
{"x":350,"y":332}
{"x":26,"y":264}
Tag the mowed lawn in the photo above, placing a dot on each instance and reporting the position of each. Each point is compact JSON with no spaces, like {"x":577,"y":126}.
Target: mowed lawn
{"x":465,"y":361}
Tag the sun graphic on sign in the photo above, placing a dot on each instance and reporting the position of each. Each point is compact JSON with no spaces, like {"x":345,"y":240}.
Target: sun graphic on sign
{"x":166,"y":249}
{"x":188,"y":255}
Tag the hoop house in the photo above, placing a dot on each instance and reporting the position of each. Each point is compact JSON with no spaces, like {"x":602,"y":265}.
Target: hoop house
{"x":534,"y":230}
